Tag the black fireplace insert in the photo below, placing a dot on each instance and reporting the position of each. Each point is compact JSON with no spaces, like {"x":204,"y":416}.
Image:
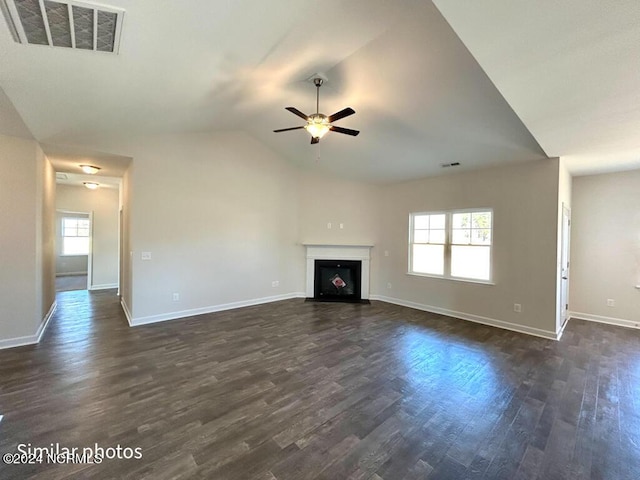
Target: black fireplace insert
{"x":338,"y":281}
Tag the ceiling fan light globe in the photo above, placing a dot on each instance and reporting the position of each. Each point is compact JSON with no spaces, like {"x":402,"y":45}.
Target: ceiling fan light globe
{"x":317,"y":131}
{"x":317,"y":126}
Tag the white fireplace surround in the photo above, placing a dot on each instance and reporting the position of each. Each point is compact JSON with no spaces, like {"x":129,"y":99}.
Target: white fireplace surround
{"x":338,"y":252}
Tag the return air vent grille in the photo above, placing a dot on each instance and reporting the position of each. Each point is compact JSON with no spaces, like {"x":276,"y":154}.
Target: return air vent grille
{"x":67,"y":24}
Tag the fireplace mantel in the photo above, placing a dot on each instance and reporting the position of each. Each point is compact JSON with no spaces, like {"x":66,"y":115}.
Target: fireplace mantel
{"x":317,"y":251}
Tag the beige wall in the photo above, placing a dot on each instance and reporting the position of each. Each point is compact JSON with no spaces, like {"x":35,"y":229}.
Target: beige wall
{"x":218,"y":215}
{"x":605,"y":247}
{"x":324,"y":199}
{"x":26,"y":262}
{"x":524,"y":199}
{"x":103,"y":203}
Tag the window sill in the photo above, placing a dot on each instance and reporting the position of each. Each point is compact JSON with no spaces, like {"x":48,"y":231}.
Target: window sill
{"x":454,"y":279}
{"x":73,"y":255}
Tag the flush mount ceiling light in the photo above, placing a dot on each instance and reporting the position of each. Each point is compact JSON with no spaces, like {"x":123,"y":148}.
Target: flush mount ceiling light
{"x":319,"y":124}
{"x":65,"y":23}
{"x":91,"y":185}
{"x":89,"y":169}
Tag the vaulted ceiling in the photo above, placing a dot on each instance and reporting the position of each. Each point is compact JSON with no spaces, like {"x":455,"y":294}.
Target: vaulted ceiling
{"x":422,"y":96}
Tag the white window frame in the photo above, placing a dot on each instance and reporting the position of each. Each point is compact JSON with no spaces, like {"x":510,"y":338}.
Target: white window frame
{"x":448,"y":244}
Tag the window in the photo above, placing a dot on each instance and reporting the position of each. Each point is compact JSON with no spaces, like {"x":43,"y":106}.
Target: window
{"x":427,"y":245}
{"x":75,"y":236}
{"x":453,"y":244}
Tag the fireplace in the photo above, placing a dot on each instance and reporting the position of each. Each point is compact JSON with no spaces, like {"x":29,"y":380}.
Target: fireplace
{"x":354,"y":261}
{"x":337,"y":280}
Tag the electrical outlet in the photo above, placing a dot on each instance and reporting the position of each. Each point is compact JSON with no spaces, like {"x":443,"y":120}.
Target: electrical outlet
{"x":611,"y":302}
{"x":176,"y":297}
{"x":386,"y":253}
{"x":275,"y":283}
{"x":388,"y":285}
{"x":341,"y":226}
{"x":517,"y":307}
{"x":329,"y":225}
{"x":145,"y":256}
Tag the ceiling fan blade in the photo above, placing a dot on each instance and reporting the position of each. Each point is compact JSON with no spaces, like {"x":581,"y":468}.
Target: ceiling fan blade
{"x":297,"y":112}
{"x":346,"y":131}
{"x":314,"y":140}
{"x":287,"y":129}
{"x":341,"y":114}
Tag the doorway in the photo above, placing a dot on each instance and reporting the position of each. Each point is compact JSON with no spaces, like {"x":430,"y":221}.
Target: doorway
{"x":74,"y":233}
{"x":564,"y":268}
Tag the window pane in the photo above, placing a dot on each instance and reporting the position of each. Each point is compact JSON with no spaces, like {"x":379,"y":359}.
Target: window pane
{"x":70,"y":232}
{"x":421,"y":236}
{"x":481,"y":236}
{"x":461,"y":220}
{"x":428,"y":259}
{"x":75,"y":245}
{"x":421,"y":221}
{"x":436,"y":236}
{"x":83,"y":223}
{"x":69,"y":222}
{"x":481,"y":219}
{"x":437,"y":221}
{"x":459,"y":236}
{"x":83,"y":232}
{"x":471,"y":262}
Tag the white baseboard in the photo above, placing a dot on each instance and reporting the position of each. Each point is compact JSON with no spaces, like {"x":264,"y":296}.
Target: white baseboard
{"x":30,"y":339}
{"x":134,"y":322}
{"x":470,"y":317}
{"x":105,"y":286}
{"x":125,"y":309}
{"x":620,"y":322}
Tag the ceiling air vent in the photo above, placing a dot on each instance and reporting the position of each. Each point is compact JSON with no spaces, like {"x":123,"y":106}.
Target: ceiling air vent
{"x":68,"y":24}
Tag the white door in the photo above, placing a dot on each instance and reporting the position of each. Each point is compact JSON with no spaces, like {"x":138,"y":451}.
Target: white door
{"x":564,"y":266}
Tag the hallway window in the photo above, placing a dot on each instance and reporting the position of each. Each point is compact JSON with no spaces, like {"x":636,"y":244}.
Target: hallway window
{"x":75,"y":236}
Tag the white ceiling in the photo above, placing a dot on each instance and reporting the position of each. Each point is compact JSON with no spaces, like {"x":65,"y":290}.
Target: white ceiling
{"x":77,"y":180}
{"x":420,"y":96}
{"x":570,"y":69}
{"x":68,"y":159}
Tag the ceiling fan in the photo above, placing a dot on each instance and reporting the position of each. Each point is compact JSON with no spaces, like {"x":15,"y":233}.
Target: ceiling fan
{"x":319,"y":124}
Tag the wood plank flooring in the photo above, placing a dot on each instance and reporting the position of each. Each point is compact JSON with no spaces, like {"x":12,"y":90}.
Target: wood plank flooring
{"x":71,"y":282}
{"x":302,"y":391}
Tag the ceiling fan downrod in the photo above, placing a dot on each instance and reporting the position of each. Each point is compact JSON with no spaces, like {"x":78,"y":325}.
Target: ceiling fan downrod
{"x":318,"y":83}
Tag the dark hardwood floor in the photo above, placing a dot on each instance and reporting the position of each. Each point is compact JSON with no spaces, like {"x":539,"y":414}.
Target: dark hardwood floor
{"x":71,"y":282}
{"x":296,"y":391}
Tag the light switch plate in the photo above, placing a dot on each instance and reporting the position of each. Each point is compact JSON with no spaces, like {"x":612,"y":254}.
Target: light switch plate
{"x":146,"y":256}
